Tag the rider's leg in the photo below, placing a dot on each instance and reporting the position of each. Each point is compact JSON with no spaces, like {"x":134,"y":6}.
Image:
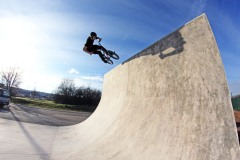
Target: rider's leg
{"x":100,"y":47}
{"x":101,"y":56}
{"x":104,"y":49}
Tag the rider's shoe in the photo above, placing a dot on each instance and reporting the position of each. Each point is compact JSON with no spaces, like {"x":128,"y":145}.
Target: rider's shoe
{"x":105,"y":61}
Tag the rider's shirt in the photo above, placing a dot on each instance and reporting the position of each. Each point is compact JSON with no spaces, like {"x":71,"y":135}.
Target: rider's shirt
{"x":89,"y":43}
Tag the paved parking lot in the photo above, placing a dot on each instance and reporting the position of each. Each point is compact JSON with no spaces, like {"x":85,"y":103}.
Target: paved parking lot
{"x":42,"y":116}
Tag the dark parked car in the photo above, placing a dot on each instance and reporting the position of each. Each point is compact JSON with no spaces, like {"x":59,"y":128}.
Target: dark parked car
{"x":4,"y":97}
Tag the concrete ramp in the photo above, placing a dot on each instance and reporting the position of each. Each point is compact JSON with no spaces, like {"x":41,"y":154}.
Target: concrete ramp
{"x":168,"y":102}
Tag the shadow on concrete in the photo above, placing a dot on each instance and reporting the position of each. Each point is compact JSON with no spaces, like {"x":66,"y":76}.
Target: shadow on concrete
{"x":170,"y":45}
{"x":31,"y":139}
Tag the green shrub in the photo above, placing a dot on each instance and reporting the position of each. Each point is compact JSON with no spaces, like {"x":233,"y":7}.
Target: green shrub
{"x":236,"y":103}
{"x":50,"y":104}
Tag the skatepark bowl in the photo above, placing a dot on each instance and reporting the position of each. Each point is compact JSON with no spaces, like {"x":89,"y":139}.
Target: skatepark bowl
{"x":168,"y":102}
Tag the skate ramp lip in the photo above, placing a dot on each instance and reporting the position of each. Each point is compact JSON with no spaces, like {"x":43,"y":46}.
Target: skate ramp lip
{"x":169,"y":101}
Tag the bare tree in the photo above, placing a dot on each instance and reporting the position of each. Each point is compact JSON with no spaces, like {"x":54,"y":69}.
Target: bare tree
{"x":65,"y":91}
{"x":66,"y":88}
{"x":11,"y":78}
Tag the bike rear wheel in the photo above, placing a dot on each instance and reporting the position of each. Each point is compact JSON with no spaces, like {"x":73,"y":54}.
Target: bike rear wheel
{"x":113,"y":54}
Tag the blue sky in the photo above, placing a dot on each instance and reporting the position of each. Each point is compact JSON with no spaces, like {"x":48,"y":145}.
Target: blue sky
{"x":44,"y":38}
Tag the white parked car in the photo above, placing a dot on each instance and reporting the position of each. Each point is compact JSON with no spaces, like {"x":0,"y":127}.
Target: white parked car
{"x":4,"y":97}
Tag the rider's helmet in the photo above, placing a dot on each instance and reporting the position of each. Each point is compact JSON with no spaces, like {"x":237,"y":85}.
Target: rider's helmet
{"x":93,"y":34}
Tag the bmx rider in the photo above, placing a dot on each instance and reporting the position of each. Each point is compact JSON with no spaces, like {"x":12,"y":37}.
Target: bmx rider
{"x":90,"y":48}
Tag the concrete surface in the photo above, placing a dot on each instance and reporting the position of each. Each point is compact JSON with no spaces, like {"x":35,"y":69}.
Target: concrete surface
{"x":169,"y":102}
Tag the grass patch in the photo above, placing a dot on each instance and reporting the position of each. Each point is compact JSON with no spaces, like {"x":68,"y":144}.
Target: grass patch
{"x":50,"y":104}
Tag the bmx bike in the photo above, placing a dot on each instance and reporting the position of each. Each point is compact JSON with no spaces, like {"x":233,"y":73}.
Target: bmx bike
{"x":108,"y":55}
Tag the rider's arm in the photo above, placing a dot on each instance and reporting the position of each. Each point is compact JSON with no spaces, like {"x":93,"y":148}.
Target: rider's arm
{"x":85,"y":50}
{"x":99,"y":39}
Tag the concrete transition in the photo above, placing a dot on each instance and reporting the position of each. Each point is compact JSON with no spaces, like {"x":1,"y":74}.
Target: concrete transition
{"x":168,"y":102}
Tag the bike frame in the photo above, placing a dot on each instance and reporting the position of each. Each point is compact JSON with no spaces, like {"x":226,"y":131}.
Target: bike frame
{"x":105,"y":53}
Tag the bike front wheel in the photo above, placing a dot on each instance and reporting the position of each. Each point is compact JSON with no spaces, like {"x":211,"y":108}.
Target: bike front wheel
{"x":109,"y":61}
{"x":113,"y":55}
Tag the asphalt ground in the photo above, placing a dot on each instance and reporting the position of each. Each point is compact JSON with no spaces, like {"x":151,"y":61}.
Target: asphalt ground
{"x":50,"y":117}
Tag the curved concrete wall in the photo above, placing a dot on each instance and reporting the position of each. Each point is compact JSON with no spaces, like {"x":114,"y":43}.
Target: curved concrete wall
{"x":170,"y":101}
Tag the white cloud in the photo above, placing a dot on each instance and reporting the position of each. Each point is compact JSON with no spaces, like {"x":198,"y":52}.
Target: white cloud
{"x":73,"y":71}
{"x":88,"y":81}
{"x":92,"y":78}
{"x":95,"y":81}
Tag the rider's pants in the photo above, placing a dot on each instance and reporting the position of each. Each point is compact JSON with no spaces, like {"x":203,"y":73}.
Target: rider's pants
{"x":100,"y":55}
{"x":95,"y":49}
